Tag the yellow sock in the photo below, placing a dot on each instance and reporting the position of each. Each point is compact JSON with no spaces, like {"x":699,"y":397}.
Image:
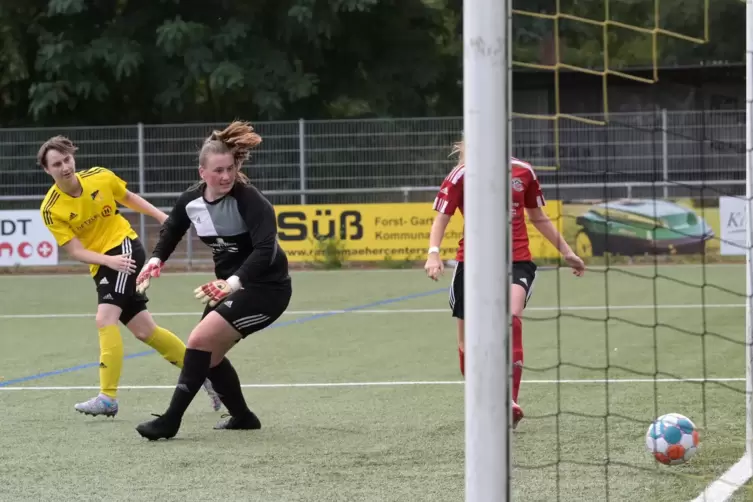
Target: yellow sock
{"x":170,"y":346}
{"x":110,"y":359}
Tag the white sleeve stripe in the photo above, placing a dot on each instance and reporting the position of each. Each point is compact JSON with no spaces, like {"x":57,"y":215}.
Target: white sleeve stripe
{"x":458,"y":175}
{"x":540,"y":200}
{"x":441,"y":205}
{"x":524,"y":165}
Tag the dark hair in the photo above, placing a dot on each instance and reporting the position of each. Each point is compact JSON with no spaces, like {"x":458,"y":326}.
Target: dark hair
{"x":59,"y":143}
{"x":237,"y":139}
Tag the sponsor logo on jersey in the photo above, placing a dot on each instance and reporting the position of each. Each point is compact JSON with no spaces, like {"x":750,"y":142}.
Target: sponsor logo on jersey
{"x":220,"y":245}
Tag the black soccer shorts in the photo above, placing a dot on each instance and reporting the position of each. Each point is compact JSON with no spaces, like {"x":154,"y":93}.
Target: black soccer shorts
{"x":254,"y":307}
{"x":523,"y":274}
{"x":119,"y":288}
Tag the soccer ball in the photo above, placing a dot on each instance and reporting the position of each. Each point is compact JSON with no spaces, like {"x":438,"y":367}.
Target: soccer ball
{"x":672,"y":439}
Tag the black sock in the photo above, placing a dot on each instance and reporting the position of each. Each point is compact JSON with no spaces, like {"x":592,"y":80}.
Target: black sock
{"x":227,"y":385}
{"x":192,"y":376}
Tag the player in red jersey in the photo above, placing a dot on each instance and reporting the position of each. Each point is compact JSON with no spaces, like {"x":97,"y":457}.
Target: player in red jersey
{"x":526,"y":193}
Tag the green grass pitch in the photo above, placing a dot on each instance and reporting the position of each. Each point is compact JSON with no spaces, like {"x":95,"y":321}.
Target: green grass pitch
{"x":367,"y":404}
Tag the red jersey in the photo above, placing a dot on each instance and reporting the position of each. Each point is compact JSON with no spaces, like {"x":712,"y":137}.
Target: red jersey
{"x":526,"y":193}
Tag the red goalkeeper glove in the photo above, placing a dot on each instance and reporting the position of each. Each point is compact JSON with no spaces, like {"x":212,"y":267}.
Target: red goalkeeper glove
{"x":215,"y":291}
{"x":153,"y":268}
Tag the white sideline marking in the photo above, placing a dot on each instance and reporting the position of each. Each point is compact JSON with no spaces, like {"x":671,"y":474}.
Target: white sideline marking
{"x":723,"y":488}
{"x":385,"y":384}
{"x":411,"y":311}
{"x":209,"y":273}
{"x":634,"y":380}
{"x":168,"y":273}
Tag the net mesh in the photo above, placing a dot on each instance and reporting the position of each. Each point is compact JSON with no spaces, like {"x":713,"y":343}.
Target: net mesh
{"x":602,"y":66}
{"x":657,"y":326}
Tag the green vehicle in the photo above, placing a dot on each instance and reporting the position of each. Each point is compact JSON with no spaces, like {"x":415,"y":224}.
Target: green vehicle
{"x":632,"y":227}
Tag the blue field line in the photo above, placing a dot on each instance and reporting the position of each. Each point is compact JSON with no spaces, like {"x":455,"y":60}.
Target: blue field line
{"x":379,"y":303}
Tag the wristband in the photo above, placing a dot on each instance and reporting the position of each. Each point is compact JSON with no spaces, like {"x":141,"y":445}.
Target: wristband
{"x":234,"y":282}
{"x":434,"y":249}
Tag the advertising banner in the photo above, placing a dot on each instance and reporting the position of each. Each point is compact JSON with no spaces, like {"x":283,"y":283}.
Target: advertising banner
{"x":24,"y":240}
{"x":637,"y":227}
{"x":370,"y":232}
{"x":733,"y":225}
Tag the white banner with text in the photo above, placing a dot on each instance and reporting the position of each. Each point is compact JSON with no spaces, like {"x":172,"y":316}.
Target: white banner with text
{"x":24,"y":240}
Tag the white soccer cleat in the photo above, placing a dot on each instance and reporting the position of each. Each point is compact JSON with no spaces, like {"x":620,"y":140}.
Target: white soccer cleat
{"x":213,"y":396}
{"x":100,"y":405}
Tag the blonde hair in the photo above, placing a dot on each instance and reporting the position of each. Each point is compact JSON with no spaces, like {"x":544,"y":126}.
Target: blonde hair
{"x":59,"y":143}
{"x":459,"y":150}
{"x":237,"y":139}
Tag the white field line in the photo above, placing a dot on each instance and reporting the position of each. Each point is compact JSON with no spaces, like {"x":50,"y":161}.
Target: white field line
{"x":719,"y":491}
{"x":723,"y":488}
{"x":581,"y":308}
{"x":402,"y":270}
{"x":208,"y":273}
{"x":385,"y":384}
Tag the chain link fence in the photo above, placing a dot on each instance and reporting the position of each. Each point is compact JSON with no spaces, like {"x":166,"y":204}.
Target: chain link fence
{"x":382,"y":160}
{"x":662,"y":154}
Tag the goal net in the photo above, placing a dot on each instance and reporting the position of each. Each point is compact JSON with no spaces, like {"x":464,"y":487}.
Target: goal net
{"x":645,"y":169}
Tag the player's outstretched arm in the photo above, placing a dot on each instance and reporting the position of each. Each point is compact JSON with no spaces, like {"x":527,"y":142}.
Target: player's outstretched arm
{"x":173,"y":229}
{"x":143,"y":206}
{"x":121,"y":263}
{"x":434,"y":265}
{"x":544,"y":225}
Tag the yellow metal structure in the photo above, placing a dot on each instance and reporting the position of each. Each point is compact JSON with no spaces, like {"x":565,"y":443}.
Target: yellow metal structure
{"x":605,"y":24}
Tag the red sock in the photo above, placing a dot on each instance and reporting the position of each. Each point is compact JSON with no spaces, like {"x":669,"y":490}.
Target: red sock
{"x":462,"y":361}
{"x":517,"y":355}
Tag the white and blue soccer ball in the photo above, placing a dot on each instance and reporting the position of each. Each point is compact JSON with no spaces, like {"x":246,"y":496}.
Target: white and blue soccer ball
{"x":672,"y":439}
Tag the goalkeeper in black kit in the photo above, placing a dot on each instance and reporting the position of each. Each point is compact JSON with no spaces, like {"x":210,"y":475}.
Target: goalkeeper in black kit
{"x":252,"y":288}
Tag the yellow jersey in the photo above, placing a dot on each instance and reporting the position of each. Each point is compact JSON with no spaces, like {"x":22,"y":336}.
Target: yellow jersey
{"x":93,"y":216}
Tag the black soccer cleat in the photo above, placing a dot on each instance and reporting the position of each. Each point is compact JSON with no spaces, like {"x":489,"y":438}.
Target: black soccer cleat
{"x":159,"y":428}
{"x":246,"y":422}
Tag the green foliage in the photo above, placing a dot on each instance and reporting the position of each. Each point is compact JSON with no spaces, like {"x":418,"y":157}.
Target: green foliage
{"x":78,"y":62}
{"x":391,"y":263}
{"x":330,"y":253}
{"x":582,"y":43}
{"x":57,"y":7}
{"x":72,"y":61}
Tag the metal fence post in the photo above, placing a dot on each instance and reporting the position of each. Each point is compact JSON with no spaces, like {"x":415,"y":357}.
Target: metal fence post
{"x":302,"y":158}
{"x":142,"y":179}
{"x":665,"y":151}
{"x":189,"y":248}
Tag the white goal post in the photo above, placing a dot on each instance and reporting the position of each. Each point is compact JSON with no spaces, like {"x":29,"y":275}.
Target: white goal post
{"x":749,"y":227}
{"x":486,"y":114}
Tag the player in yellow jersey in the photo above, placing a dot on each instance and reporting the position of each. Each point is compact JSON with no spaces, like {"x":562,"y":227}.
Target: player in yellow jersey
{"x":81,"y":212}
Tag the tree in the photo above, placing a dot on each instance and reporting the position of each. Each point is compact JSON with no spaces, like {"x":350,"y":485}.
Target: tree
{"x":582,"y":44}
{"x":141,"y":60}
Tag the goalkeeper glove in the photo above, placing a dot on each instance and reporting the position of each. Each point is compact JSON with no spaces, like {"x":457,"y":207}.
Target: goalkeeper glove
{"x":153,"y":268}
{"x":215,"y":291}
